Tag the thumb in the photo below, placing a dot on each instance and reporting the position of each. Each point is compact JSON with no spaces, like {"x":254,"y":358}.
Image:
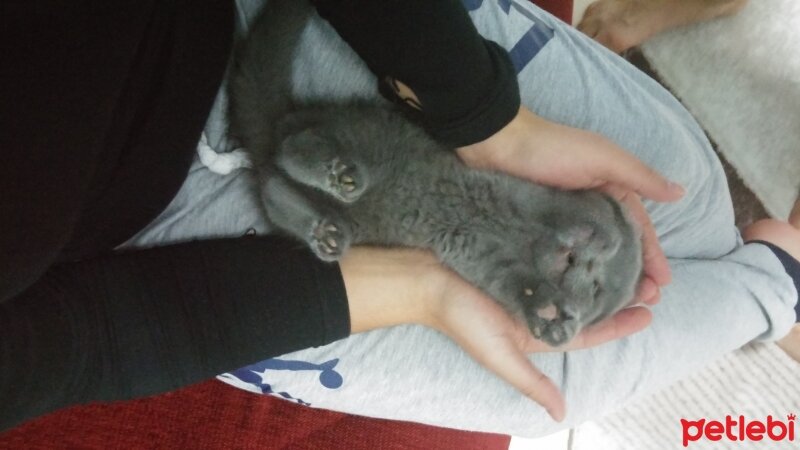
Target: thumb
{"x":511,"y":364}
{"x":628,"y":171}
{"x":521,"y":373}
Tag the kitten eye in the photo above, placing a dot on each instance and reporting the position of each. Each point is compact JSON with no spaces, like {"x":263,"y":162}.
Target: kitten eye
{"x":570,"y":258}
{"x":596,"y":288}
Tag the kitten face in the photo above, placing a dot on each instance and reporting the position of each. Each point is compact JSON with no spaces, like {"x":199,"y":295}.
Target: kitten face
{"x":591,"y":267}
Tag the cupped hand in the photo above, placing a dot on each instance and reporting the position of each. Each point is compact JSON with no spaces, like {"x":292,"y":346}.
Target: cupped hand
{"x":548,"y":153}
{"x":387,"y":287}
{"x":501,"y":343}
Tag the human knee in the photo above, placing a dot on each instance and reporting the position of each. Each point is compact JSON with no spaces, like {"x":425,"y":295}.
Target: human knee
{"x":775,"y":232}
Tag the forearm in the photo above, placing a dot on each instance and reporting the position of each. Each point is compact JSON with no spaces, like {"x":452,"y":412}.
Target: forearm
{"x":465,"y":84}
{"x":143,"y":323}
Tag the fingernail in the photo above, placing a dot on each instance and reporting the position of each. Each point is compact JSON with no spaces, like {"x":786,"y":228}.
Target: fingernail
{"x":677,"y":188}
{"x":557,"y":418}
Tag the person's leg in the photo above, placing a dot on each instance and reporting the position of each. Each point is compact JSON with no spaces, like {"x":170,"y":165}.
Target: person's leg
{"x":622,"y":24}
{"x":786,"y":236}
{"x":791,"y":343}
{"x":712,"y":306}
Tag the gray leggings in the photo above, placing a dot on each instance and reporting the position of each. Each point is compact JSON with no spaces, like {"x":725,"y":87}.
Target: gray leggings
{"x":723,"y":294}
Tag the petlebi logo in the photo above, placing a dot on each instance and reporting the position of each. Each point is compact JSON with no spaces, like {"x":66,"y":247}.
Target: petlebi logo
{"x":739,"y":429}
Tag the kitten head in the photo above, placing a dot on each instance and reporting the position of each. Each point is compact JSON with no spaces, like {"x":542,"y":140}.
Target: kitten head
{"x":591,"y":263}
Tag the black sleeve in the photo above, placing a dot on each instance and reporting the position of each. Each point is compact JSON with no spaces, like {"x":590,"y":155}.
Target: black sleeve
{"x":109,"y":97}
{"x":466,"y":85}
{"x":103,"y":103}
{"x":146,"y":322}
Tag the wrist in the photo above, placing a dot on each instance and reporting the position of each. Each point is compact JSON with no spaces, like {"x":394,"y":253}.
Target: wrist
{"x":489,"y":153}
{"x":390,"y":287}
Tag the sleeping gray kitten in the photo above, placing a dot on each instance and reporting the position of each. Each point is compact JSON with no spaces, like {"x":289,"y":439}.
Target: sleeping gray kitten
{"x":335,"y":174}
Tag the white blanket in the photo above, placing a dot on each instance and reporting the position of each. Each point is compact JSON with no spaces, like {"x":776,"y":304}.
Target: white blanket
{"x":740,"y":77}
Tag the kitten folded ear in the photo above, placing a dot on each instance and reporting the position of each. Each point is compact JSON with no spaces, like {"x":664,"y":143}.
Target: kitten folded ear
{"x":588,"y":241}
{"x":576,"y":236}
{"x":303,"y":140}
{"x":296,"y":122}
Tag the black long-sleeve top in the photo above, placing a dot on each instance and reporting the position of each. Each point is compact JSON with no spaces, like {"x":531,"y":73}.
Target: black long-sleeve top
{"x":102,"y":105}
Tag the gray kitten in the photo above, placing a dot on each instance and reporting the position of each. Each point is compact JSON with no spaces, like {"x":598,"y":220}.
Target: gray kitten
{"x":335,"y":174}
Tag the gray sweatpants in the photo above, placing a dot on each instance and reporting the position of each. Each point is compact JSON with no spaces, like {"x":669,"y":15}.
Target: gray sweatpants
{"x":723,"y":294}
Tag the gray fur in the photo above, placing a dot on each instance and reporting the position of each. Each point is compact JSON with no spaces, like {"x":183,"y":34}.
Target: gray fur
{"x":336,"y":174}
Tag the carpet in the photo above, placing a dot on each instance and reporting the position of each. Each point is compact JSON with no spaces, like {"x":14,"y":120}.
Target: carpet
{"x":757,"y":381}
{"x":212,"y":415}
{"x":740,"y":77}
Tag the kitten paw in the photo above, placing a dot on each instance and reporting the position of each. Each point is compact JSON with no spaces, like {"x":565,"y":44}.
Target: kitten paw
{"x":552,"y":326}
{"x":313,"y":160}
{"x":329,"y":240}
{"x":551,"y":315}
{"x":344,"y":180}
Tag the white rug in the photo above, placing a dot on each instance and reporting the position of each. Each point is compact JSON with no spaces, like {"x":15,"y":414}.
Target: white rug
{"x":757,"y":381}
{"x":740,"y":77}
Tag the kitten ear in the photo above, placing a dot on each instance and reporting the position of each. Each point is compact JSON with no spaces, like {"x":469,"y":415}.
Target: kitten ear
{"x":307,"y":139}
{"x":590,"y":241}
{"x":576,"y":236}
{"x":296,"y":122}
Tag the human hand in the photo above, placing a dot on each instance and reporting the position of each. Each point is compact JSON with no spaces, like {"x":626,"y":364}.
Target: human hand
{"x":392,"y":287}
{"x":548,"y":153}
{"x":501,"y":343}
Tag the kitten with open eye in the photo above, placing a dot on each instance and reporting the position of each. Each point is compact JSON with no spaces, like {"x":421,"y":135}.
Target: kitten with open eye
{"x":338,"y":173}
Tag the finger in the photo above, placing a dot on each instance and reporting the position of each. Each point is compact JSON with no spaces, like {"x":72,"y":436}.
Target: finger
{"x":497,"y":341}
{"x":589,"y":19}
{"x":647,"y":292}
{"x":654,"y":261}
{"x":610,"y":41}
{"x":589,"y":25}
{"x":624,"y":323}
{"x":512,"y":365}
{"x":505,"y":355}
{"x":624,"y":169}
{"x":656,"y":266}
